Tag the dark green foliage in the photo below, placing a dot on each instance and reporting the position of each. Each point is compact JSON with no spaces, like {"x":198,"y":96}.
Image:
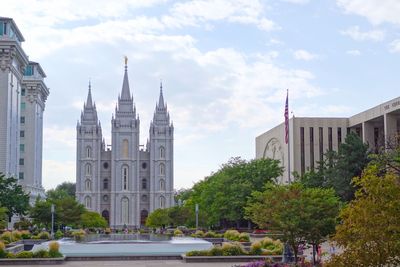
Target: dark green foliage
{"x":12,"y":196}
{"x":41,"y":254}
{"x":92,"y":219}
{"x":58,"y":234}
{"x":24,"y":254}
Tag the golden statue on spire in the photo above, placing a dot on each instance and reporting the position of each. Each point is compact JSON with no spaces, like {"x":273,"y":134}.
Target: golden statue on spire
{"x":126,"y":60}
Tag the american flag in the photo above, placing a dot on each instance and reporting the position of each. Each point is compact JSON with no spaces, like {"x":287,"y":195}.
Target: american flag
{"x":287,"y":118}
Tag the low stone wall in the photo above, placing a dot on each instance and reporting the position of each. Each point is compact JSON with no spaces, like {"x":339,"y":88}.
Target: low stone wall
{"x":244,"y":258}
{"x":123,"y":258}
{"x":32,"y":261}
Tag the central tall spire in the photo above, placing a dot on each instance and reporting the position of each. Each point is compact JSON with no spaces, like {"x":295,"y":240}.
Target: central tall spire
{"x":161,"y":98}
{"x":89,"y":101}
{"x":126,"y":94}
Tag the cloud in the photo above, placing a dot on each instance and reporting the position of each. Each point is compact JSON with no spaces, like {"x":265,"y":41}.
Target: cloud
{"x":376,"y":11}
{"x":298,"y":2}
{"x":55,"y":172}
{"x":395,"y":46}
{"x":353,"y":52}
{"x":304,"y":55}
{"x":356,"y":34}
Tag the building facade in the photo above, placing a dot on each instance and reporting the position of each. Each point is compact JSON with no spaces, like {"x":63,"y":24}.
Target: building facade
{"x":125,"y":183}
{"x":311,"y":138}
{"x":23,"y":94}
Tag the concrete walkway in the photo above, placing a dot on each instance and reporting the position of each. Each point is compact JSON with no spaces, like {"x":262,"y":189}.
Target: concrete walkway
{"x":149,"y":263}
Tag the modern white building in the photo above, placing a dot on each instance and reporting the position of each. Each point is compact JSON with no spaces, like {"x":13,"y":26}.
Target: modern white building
{"x":22,"y":100}
{"x":311,"y":138}
{"x":125,"y":183}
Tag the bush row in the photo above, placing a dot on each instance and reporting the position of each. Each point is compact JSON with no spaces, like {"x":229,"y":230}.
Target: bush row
{"x":53,"y":252}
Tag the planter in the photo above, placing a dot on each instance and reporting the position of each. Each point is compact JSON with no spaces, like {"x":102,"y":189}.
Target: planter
{"x":32,"y":261}
{"x":243,"y":258}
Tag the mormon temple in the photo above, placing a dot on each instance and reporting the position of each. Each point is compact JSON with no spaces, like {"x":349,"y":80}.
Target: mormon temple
{"x":125,"y":183}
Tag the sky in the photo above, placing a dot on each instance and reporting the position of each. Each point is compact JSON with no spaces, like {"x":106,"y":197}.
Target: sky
{"x":225,"y":67}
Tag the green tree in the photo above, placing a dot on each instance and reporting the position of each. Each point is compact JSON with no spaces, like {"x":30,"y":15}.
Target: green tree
{"x":13,"y":197}
{"x":337,"y":169}
{"x":301,"y":214}
{"x":41,"y":213}
{"x":370,"y":228}
{"x":158,"y":218}
{"x":180,"y":215}
{"x":91,"y":219}
{"x":68,"y":211}
{"x":3,"y":218}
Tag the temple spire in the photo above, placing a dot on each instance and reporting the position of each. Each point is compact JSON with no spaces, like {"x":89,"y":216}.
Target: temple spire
{"x":126,"y":94}
{"x":161,"y":98}
{"x":89,"y":102}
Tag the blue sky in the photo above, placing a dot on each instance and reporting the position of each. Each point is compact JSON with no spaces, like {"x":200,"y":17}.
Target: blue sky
{"x":225,"y":67}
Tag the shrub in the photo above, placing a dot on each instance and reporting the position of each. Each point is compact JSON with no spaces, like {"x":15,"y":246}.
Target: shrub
{"x":234,"y":249}
{"x":210,"y":234}
{"x":232,"y":235}
{"x":16,"y":235}
{"x":79,"y":235}
{"x":25,"y":234}
{"x":244,"y":237}
{"x":44,"y":235}
{"x":41,"y":254}
{"x":10,"y":255}
{"x":216,"y":251}
{"x":7,"y":237}
{"x":256,"y":248}
{"x":58,"y":234}
{"x":24,"y":254}
{"x":178,"y":232}
{"x":199,"y":233}
{"x":3,"y":252}
{"x":197,"y":253}
{"x":54,"y":248}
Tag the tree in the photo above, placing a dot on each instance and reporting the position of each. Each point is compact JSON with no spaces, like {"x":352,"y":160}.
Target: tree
{"x":158,"y":218}
{"x":337,"y":169}
{"x":3,"y":218}
{"x":41,"y":213}
{"x":68,"y":187}
{"x":91,"y":219}
{"x":301,"y":214}
{"x":68,"y":211}
{"x":370,"y":228}
{"x":13,"y":197}
{"x":222,"y":196}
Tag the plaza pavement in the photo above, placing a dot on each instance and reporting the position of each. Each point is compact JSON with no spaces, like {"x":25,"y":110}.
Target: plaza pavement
{"x":148,"y":263}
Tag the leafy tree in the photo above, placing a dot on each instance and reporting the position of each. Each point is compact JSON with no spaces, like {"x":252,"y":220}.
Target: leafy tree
{"x":68,"y":211}
{"x":301,"y":214}
{"x":370,"y":228}
{"x":158,"y":218}
{"x":68,"y":187}
{"x":180,"y":215}
{"x":222,"y":196}
{"x":91,"y":219}
{"x":41,"y":213}
{"x":3,"y":218}
{"x":13,"y":197}
{"x":337,"y":169}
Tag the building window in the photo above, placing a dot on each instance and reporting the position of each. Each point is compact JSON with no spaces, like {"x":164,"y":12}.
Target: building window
{"x":162,"y":184}
{"x":125,"y":149}
{"x":162,"y":152}
{"x":312,"y":148}
{"x":144,"y":183}
{"x":162,"y":169}
{"x":162,"y":202}
{"x":105,"y":184}
{"x":21,"y":133}
{"x":88,"y":152}
{"x":125,"y":178}
{"x":339,"y":136}
{"x":21,"y":175}
{"x":22,"y":119}
{"x":105,"y":198}
{"x":21,"y":162}
{"x":302,"y":159}
{"x":21,"y":148}
{"x":88,"y":169}
{"x":330,"y":145}
{"x":2,"y":28}
{"x":144,"y":198}
{"x":23,"y":105}
{"x":105,"y":165}
{"x":321,"y":143}
{"x":23,"y":92}
{"x":88,"y":202}
{"x":28,"y":70}
{"x":88,"y":185}
{"x":144,"y":165}
{"x":124,"y":210}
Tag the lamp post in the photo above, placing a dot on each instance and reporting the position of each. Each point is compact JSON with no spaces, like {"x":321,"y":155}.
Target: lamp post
{"x":52,"y":220}
{"x":197,"y":215}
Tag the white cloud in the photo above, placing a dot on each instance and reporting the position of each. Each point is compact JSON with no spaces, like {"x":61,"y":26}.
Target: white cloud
{"x":355,"y":33}
{"x":304,"y":55}
{"x":376,"y":11}
{"x":299,"y":2}
{"x":353,"y":52}
{"x":56,"y":172}
{"x":395,"y":46}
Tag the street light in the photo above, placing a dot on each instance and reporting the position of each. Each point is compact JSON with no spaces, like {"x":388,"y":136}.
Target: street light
{"x":197,"y":215}
{"x":52,"y":221}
